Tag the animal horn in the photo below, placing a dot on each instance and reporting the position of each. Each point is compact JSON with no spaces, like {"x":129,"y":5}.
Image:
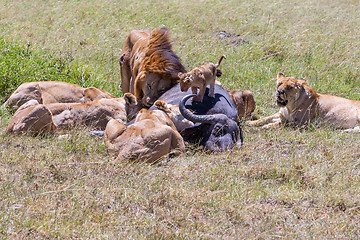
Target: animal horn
{"x":192,"y":117}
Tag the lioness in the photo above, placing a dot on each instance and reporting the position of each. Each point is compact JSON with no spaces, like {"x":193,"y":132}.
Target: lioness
{"x":199,"y":78}
{"x":35,"y":118}
{"x":151,"y":137}
{"x":46,"y":92}
{"x":300,"y":104}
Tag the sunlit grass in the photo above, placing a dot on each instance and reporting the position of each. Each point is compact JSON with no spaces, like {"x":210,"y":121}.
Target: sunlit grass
{"x":284,"y":183}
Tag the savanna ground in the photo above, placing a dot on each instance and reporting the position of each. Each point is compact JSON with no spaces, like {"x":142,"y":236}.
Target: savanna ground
{"x":285,"y":183}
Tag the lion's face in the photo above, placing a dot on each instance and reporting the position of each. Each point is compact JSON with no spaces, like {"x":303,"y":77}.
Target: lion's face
{"x":154,"y":85}
{"x":288,"y":89}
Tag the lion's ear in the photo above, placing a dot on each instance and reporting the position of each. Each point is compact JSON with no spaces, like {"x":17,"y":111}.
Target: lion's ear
{"x":180,"y":75}
{"x":301,"y":81}
{"x":280,"y":75}
{"x":130,"y":99}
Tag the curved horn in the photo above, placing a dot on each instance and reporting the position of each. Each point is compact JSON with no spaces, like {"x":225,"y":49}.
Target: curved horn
{"x":192,"y":117}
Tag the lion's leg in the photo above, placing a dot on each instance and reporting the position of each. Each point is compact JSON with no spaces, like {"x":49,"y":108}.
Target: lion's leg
{"x":113,"y":130}
{"x":177,"y":143}
{"x":263,"y":121}
{"x":201,"y":94}
{"x":125,"y":72}
{"x":272,"y":125}
{"x":212,"y":89}
{"x":194,"y":90}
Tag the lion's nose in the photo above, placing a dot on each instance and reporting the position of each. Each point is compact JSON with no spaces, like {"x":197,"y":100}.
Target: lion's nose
{"x":148,"y":102}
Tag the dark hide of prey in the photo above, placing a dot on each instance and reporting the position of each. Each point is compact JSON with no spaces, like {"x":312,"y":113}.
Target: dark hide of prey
{"x":218,"y":134}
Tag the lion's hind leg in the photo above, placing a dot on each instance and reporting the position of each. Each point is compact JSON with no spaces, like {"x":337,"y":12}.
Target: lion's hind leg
{"x":212,"y":89}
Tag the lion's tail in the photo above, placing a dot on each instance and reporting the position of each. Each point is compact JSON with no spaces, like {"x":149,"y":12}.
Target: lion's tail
{"x":220,"y":59}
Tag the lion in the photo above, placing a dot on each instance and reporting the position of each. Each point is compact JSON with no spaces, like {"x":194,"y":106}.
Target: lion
{"x":35,"y":118}
{"x":199,"y":78}
{"x":151,"y":137}
{"x":244,"y":102}
{"x":148,"y":64}
{"x":46,"y":92}
{"x":300,"y":104}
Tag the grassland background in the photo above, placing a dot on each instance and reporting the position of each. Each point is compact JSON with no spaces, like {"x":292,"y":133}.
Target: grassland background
{"x":285,"y":183}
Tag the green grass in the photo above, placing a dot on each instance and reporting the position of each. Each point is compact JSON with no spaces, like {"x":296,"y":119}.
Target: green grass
{"x":285,"y":183}
{"x":21,"y":63}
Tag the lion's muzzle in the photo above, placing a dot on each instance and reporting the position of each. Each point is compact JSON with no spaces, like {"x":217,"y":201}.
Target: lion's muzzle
{"x":280,"y":100}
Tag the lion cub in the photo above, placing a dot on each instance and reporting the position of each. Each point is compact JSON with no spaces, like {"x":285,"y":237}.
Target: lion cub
{"x":199,"y":78}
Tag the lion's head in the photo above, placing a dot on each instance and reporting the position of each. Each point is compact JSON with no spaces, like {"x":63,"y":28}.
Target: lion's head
{"x":150,"y":86}
{"x":288,"y":89}
{"x":185,"y":80}
{"x":132,"y":106}
{"x":159,"y":68}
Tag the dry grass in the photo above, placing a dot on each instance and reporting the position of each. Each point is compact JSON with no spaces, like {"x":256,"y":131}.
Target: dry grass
{"x":286,"y":183}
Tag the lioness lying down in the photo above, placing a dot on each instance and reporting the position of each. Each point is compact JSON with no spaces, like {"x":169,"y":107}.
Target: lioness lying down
{"x":36,"y":118}
{"x":300,"y":104}
{"x":151,"y":137}
{"x":46,"y":92}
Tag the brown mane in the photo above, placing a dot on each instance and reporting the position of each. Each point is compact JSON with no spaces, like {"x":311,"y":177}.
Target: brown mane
{"x":159,"y":57}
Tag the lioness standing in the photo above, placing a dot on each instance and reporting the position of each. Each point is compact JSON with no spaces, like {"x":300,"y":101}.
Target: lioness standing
{"x":300,"y":104}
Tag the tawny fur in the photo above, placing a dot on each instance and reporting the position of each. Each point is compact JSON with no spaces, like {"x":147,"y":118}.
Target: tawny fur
{"x":244,"y":102}
{"x":300,"y":104}
{"x":148,"y":64}
{"x":199,"y":78}
{"x":151,"y":137}
{"x":33,"y":117}
{"x":46,"y":92}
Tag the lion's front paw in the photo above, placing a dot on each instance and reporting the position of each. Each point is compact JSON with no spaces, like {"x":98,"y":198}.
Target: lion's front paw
{"x":254,"y":123}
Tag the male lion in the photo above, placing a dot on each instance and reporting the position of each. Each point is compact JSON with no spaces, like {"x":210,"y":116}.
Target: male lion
{"x":300,"y":104}
{"x":148,"y":65}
